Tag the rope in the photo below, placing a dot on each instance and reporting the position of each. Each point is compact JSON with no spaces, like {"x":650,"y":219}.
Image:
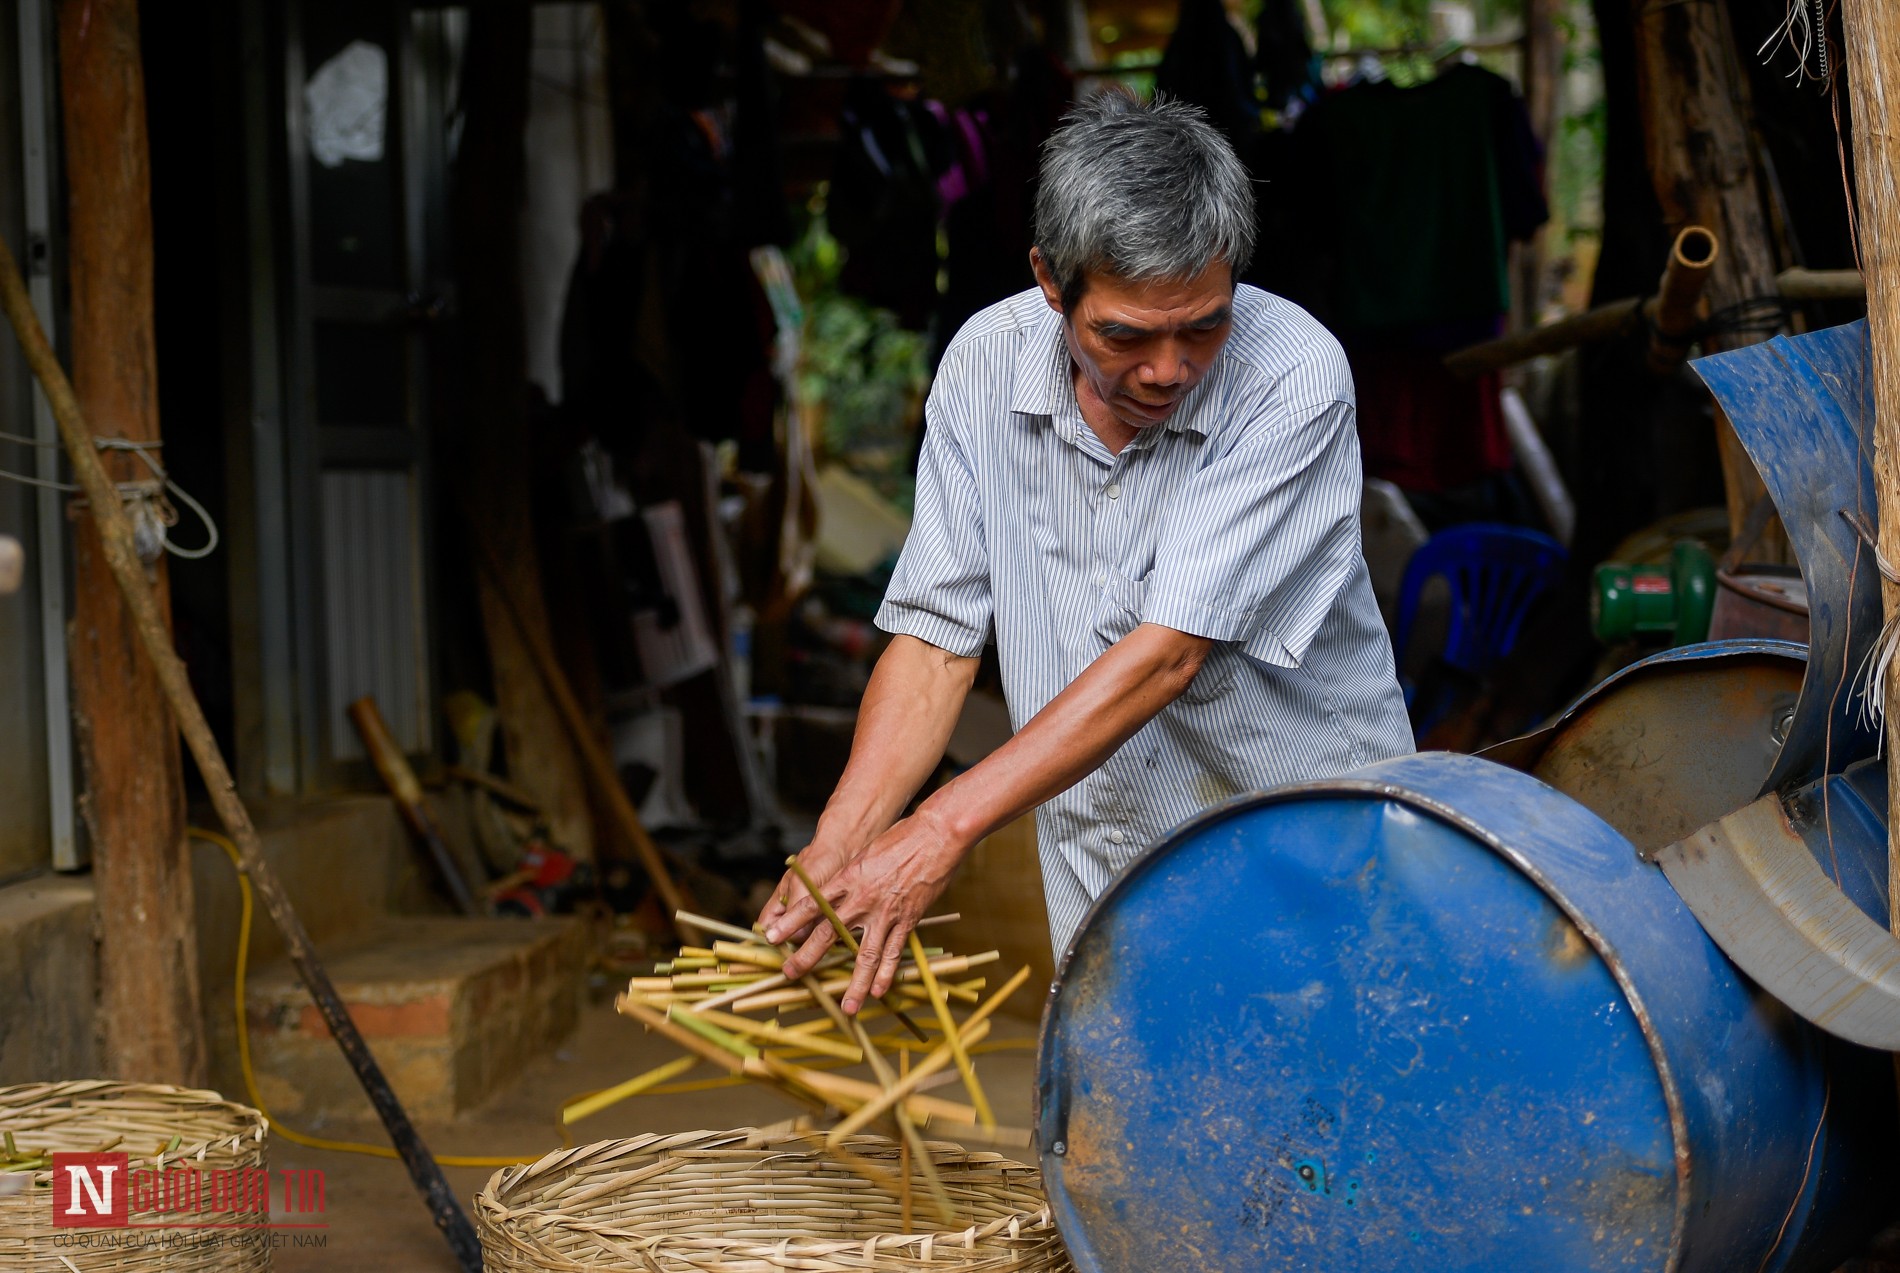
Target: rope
{"x":152,"y":514}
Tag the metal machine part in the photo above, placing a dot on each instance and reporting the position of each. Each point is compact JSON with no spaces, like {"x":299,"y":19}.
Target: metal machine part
{"x":1795,"y":890}
{"x":1673,"y":742}
{"x":1803,"y":408}
{"x":1675,"y":600}
{"x":1436,"y":1015}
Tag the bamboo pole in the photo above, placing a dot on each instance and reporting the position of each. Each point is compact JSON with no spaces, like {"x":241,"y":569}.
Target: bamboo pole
{"x":1703,"y":164}
{"x":386,"y":754}
{"x":1671,"y":313}
{"x":1873,"y":81}
{"x":1603,"y":322}
{"x":116,"y":546}
{"x":594,"y":758}
{"x":1692,"y":259}
{"x":1821,"y":285}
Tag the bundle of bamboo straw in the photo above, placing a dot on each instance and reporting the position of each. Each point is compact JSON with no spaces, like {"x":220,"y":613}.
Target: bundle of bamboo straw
{"x":730,"y":1005}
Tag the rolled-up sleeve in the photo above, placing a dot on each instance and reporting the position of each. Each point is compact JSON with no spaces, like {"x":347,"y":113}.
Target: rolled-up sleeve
{"x":1262,"y":540}
{"x":940,"y":592}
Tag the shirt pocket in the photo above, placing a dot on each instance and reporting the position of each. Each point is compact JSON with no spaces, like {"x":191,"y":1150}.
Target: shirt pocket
{"x":1119,"y":610}
{"x":1217,"y":673}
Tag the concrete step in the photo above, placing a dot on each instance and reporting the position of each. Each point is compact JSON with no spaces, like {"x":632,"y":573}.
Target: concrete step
{"x":452,"y":1009}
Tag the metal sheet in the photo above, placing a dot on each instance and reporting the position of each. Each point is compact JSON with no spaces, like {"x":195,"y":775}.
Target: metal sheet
{"x":374,"y":619}
{"x":1673,"y":742}
{"x":1802,"y":406}
{"x":1436,"y":1015}
{"x":1795,"y":891}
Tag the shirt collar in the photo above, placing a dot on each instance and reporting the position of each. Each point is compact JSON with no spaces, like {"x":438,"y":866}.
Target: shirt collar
{"x":1045,"y":384}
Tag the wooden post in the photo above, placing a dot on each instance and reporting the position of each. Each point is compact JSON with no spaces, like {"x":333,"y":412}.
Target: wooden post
{"x":117,"y":548}
{"x":494,"y":458}
{"x":1542,"y":75}
{"x":134,"y":803}
{"x":1703,"y":164}
{"x":1873,"y":59}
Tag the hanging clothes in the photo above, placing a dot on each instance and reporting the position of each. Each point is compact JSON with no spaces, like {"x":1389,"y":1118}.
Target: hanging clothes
{"x":1208,"y":63}
{"x":665,"y":263}
{"x":1410,"y":199}
{"x":988,"y":217}
{"x":1422,"y":190}
{"x":1283,"y":55}
{"x":885,"y":203}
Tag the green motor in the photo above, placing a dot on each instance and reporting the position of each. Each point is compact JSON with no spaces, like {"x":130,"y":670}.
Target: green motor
{"x":1675,"y":600}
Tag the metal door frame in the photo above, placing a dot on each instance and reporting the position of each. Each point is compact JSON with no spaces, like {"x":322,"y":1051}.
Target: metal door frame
{"x":309,"y":447}
{"x":37,"y":113}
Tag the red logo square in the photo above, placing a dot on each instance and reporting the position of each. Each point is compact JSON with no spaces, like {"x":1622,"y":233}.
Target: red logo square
{"x":90,"y":1191}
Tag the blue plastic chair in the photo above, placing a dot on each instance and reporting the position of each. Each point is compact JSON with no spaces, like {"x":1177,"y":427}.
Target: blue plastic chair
{"x":1496,"y":573}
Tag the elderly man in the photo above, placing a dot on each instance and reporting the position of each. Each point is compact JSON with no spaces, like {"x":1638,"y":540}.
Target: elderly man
{"x":1142,"y":482}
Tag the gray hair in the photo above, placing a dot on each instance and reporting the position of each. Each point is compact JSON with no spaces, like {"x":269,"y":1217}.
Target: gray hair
{"x":1141,"y":191}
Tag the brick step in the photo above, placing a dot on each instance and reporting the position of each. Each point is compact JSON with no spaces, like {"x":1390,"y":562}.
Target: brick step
{"x":452,"y":1009}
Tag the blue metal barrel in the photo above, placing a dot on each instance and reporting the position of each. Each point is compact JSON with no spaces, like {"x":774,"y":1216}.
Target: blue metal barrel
{"x":1435,"y":1015}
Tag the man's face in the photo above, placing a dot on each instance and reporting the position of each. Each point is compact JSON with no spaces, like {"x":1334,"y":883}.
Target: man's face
{"x":1141,"y":346}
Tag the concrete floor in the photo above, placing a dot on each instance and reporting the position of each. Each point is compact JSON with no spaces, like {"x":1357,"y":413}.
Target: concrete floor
{"x":377,"y":1221}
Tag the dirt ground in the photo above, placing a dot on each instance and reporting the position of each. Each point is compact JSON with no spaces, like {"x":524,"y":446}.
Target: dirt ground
{"x":376,"y":1221}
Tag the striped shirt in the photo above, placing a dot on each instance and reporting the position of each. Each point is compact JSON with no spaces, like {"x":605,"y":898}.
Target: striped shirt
{"x":1237,"y":520}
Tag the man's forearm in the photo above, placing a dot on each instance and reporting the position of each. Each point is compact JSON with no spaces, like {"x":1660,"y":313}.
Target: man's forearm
{"x":909,"y":711}
{"x":1073,"y":735}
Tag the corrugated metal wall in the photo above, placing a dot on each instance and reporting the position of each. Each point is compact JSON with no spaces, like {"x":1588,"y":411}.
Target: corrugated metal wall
{"x":374,"y":624}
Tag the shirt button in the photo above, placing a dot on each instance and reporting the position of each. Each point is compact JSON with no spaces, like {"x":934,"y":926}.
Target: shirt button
{"x":1116,"y":837}
{"x":1114,"y":490}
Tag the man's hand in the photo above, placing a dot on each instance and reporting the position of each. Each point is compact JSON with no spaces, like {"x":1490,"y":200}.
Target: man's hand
{"x":823,"y":858}
{"x":909,"y":710}
{"x":885,"y":889}
{"x":883,"y":893}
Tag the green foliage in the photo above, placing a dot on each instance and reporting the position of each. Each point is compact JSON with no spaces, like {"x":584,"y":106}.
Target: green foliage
{"x":861,"y":373}
{"x":1379,"y":24}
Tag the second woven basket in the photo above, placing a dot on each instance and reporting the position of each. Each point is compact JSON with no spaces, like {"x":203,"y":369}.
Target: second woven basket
{"x":198,"y":1193}
{"x":754,"y":1202}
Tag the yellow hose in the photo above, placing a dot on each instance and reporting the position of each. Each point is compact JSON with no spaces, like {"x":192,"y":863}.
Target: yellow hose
{"x":244,"y":1036}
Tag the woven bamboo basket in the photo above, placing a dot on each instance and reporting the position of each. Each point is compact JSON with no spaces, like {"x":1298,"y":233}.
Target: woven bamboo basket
{"x":180,"y":1134}
{"x":757,"y":1202}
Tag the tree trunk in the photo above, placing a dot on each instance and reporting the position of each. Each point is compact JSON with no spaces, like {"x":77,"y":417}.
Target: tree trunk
{"x":134,"y":803}
{"x":1703,"y":164}
{"x":1873,"y":57}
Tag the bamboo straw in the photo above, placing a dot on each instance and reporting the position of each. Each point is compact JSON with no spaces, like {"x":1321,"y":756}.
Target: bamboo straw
{"x":588,"y":1106}
{"x":948,"y":1024}
{"x":749,"y":953}
{"x":628,"y":1006}
{"x":773,"y":1031}
{"x":903,"y":1154}
{"x":846,"y":1092}
{"x":713,"y":1034}
{"x":906,"y":1128}
{"x":844,"y":934}
{"x":864,"y":1115}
